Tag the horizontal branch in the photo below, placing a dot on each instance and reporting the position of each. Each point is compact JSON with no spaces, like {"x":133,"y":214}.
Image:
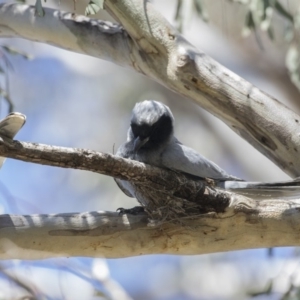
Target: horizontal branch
{"x":245,"y":225}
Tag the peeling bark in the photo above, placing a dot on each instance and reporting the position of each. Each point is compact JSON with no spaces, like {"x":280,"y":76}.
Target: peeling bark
{"x":176,"y":192}
{"x":150,"y":45}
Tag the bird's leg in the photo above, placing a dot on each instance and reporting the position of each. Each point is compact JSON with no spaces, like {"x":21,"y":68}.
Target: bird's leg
{"x":132,"y":211}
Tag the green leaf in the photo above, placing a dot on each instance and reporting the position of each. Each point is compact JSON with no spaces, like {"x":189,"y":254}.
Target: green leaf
{"x":289,"y":34}
{"x":93,"y":7}
{"x":4,"y":94}
{"x":283,"y":11}
{"x":266,"y":4}
{"x":271,"y":33}
{"x":15,"y":51}
{"x":249,"y":24}
{"x":178,"y":10}
{"x":39,"y":11}
{"x":200,"y":10}
{"x":292,"y":62}
{"x":178,"y":16}
{"x":250,"y":21}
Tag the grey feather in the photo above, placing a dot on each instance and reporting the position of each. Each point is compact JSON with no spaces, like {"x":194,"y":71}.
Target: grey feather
{"x":150,"y":140}
{"x":182,"y":158}
{"x":125,"y":151}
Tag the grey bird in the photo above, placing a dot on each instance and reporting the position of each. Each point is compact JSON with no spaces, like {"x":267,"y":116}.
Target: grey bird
{"x":151,"y":140}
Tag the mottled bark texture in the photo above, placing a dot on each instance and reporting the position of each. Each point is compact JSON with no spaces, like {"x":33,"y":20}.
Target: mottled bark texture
{"x":169,"y":193}
{"x":188,"y":216}
{"x":146,"y":42}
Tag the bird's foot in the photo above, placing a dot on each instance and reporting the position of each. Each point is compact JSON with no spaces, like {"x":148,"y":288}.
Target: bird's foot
{"x":132,"y":211}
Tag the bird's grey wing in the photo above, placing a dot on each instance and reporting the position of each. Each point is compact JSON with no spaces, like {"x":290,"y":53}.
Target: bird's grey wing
{"x":182,"y":158}
{"x":125,"y":151}
{"x":124,"y":187}
{"x":10,"y":126}
{"x":264,"y":190}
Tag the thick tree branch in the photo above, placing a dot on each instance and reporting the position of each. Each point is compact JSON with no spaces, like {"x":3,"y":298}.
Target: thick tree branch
{"x":264,"y":122}
{"x":157,"y":50}
{"x":220,"y":220}
{"x":246,"y":224}
{"x":68,"y":31}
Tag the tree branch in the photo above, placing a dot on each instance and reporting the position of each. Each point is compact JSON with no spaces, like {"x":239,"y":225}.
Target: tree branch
{"x":220,"y":220}
{"x":69,"y":31}
{"x":163,"y":188}
{"x":263,"y":121}
{"x":157,"y":50}
{"x":245,"y":224}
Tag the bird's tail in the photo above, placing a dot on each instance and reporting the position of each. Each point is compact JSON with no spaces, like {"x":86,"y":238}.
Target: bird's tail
{"x":264,"y":190}
{"x":9,"y":127}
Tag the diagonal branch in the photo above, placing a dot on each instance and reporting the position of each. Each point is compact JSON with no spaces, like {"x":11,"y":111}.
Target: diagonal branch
{"x":165,"y":184}
{"x":262,"y":120}
{"x":68,"y":31}
{"x":157,"y":50}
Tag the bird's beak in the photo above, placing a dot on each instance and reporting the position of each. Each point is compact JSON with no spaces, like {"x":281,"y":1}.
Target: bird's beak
{"x":138,"y":143}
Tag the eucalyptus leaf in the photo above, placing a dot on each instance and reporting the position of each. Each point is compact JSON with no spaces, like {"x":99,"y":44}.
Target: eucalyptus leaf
{"x":179,"y":15}
{"x":5,"y":95}
{"x":93,"y":7}
{"x":250,"y":24}
{"x":200,"y":10}
{"x":292,"y":62}
{"x":15,"y":51}
{"x":178,"y":10}
{"x":270,"y":32}
{"x":2,"y":92}
{"x":39,"y":11}
{"x":292,"y":59}
{"x":283,"y":11}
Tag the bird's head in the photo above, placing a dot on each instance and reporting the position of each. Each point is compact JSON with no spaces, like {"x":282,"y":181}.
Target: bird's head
{"x":151,"y":125}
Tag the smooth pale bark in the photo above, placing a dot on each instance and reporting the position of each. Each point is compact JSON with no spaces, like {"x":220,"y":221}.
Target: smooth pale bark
{"x":151,"y":46}
{"x":66,"y":30}
{"x":246,"y":224}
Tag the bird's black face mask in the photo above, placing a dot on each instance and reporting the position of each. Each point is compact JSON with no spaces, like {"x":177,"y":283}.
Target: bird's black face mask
{"x":152,"y":136}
